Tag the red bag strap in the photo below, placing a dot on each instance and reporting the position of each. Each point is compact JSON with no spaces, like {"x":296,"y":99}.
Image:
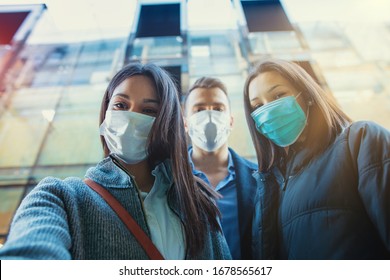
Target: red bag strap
{"x":127,"y":219}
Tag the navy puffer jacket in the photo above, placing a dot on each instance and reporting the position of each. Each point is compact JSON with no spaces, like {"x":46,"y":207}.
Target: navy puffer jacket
{"x":334,"y":206}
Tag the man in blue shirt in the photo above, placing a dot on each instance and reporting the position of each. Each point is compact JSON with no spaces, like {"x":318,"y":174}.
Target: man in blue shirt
{"x":208,"y":122}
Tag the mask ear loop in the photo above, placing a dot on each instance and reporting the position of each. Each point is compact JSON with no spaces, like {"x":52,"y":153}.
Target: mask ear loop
{"x":308,"y":113}
{"x":309,"y":104}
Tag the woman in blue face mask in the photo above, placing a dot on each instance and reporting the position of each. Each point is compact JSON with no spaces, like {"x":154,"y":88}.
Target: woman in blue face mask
{"x":323,"y":180}
{"x":140,"y":202}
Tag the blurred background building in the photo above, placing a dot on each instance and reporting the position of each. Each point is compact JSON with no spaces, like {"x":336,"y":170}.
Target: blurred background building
{"x":57,"y":58}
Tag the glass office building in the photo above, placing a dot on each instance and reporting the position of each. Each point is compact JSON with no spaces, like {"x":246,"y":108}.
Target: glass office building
{"x":51,"y":90}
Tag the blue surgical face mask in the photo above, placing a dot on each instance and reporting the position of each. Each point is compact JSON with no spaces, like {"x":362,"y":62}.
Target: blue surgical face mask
{"x":282,"y":121}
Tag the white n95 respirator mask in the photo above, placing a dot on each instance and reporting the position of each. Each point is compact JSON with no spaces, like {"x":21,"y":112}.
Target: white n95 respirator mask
{"x":126,"y":134}
{"x":209,"y":129}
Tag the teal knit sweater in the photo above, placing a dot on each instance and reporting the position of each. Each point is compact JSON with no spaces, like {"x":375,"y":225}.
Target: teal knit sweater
{"x":65,"y":219}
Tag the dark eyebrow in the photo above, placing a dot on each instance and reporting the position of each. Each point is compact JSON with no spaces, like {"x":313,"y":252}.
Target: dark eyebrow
{"x":205,"y":104}
{"x":146,"y":100}
{"x":122,"y":95}
{"x":272,"y":88}
{"x":199,"y":104}
{"x":268,"y":91}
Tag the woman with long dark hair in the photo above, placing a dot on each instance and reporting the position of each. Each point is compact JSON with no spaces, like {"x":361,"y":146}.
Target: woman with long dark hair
{"x":323,"y":180}
{"x":145,"y":169}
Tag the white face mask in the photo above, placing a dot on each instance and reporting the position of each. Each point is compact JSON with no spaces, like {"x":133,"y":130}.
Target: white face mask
{"x":209,"y":129}
{"x":126,"y":134}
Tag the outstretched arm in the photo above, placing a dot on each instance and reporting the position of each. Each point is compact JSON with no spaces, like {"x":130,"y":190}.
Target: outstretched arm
{"x":39,"y":229}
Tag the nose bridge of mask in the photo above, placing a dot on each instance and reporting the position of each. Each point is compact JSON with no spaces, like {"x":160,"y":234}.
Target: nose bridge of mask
{"x":265,"y":108}
{"x":209,"y":129}
{"x":206,"y":116}
{"x":124,"y":120}
{"x":275,"y":109}
{"x":126,"y":134}
{"x":282,"y":122}
{"x":200,"y":118}
{"x":142,"y":124}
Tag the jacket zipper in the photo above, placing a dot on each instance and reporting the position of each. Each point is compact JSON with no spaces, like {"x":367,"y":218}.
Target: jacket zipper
{"x":288,"y":172}
{"x":132,"y":181}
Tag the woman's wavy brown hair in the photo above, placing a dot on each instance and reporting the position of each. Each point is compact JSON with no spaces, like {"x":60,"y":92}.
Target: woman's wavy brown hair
{"x":326,"y":119}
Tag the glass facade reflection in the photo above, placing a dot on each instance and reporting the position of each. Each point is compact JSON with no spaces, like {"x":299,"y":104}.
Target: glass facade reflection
{"x":50,"y":105}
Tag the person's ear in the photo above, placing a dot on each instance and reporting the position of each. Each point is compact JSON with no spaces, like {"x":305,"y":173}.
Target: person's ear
{"x":185,"y":123}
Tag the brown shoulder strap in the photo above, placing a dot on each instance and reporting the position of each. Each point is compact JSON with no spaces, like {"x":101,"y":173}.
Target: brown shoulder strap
{"x":128,"y":220}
